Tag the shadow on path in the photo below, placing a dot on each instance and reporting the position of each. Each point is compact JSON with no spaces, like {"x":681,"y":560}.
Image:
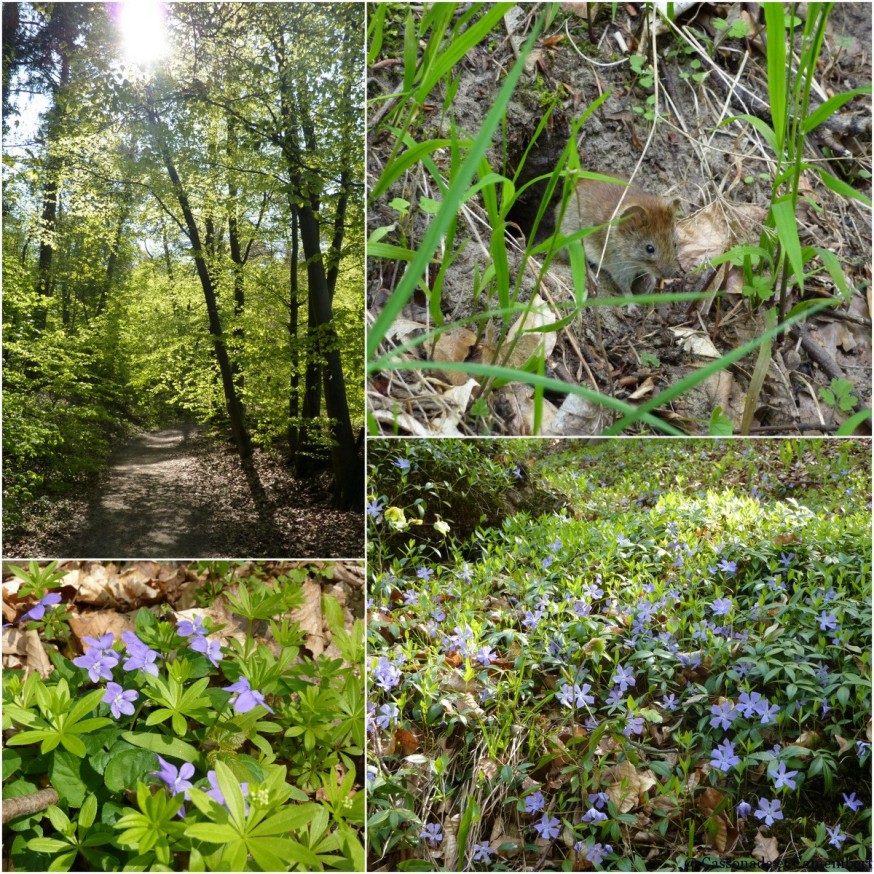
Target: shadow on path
{"x":148,"y":507}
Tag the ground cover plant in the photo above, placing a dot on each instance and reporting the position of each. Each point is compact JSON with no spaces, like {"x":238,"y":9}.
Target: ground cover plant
{"x":183,"y":743}
{"x":673,"y":671}
{"x":482,"y":119}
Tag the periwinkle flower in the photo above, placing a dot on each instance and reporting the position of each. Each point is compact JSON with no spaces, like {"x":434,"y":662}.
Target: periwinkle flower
{"x":852,"y":802}
{"x":593,"y":815}
{"x":187,"y":628}
{"x":723,"y":715}
{"x":38,"y":611}
{"x":98,"y":663}
{"x":140,"y":656}
{"x":386,"y":675}
{"x":748,"y":703}
{"x":401,"y":464}
{"x":548,"y":827}
{"x":768,"y":712}
{"x":432,"y":833}
{"x":375,"y":508}
{"x":721,"y":607}
{"x":482,"y":852}
{"x":836,"y":836}
{"x":120,"y":700}
{"x":743,"y":810}
{"x":210,"y":648}
{"x":388,"y":714}
{"x":827,"y":621}
{"x":769,"y":811}
{"x":534,"y":802}
{"x":728,"y":567}
{"x":176,"y":780}
{"x":246,"y":698}
{"x":599,"y":799}
{"x":724,"y":757}
{"x":669,"y":702}
{"x":782,"y":777}
{"x":624,"y":678}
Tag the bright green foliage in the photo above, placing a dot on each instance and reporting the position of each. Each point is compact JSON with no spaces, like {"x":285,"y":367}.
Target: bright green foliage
{"x":120,"y":804}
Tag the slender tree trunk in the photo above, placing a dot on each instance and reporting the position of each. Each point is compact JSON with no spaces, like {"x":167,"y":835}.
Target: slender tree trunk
{"x":235,"y":409}
{"x":294,"y":346}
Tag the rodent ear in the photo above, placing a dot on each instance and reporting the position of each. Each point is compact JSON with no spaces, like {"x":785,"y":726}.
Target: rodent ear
{"x":634,"y":215}
{"x":675,"y":204}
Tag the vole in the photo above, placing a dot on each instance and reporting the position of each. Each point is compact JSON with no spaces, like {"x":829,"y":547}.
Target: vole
{"x":642,"y":247}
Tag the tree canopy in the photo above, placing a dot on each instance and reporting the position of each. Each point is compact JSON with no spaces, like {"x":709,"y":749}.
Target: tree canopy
{"x":183,"y":232}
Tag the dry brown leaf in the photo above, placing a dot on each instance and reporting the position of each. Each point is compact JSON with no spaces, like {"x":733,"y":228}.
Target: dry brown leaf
{"x":95,"y":623}
{"x":454,"y":346}
{"x":695,"y":342}
{"x":528,"y":344}
{"x":647,"y":386}
{"x":37,"y":659}
{"x":766,"y":848}
{"x":309,"y":617}
{"x":629,"y":786}
{"x":576,"y":416}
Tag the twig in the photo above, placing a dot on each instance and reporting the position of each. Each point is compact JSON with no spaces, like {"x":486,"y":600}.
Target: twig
{"x":24,"y":805}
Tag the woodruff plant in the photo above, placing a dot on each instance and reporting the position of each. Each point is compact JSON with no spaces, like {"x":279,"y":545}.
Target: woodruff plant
{"x":189,"y":754}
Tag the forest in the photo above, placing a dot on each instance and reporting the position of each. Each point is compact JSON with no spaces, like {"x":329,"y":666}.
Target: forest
{"x":183,"y":242}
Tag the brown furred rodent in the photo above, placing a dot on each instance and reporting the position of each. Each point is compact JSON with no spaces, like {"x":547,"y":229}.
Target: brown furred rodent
{"x":642,"y":246}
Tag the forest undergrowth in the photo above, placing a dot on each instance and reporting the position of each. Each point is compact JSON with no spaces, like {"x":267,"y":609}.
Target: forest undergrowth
{"x":672,"y":671}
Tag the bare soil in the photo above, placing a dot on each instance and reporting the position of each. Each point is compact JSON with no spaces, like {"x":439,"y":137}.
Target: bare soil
{"x":177,"y":493}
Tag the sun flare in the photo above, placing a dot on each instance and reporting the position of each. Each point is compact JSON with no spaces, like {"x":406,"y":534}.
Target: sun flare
{"x":143,"y":31}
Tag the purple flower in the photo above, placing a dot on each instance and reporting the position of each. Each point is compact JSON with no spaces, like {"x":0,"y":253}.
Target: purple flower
{"x":39,"y":609}
{"x":743,"y":810}
{"x":786,"y":560}
{"x":827,"y":621}
{"x":482,"y":852}
{"x":862,"y":748}
{"x":433,"y":832}
{"x":615,"y":696}
{"x":724,"y":757}
{"x":532,"y":619}
{"x":388,"y":713}
{"x":748,"y":703}
{"x":721,"y":607}
{"x":836,"y":837}
{"x":599,"y":799}
{"x":669,"y":702}
{"x":99,"y":663}
{"x":176,"y":780}
{"x":215,"y":792}
{"x":852,"y":802}
{"x":485,"y":655}
{"x":424,"y":573}
{"x":534,"y":802}
{"x":723,"y":715}
{"x":185,"y":627}
{"x":633,"y":724}
{"x":212,"y":649}
{"x":386,"y":675}
{"x":728,"y":567}
{"x":517,"y":472}
{"x":594,"y":853}
{"x":546,"y":562}
{"x":624,"y":678}
{"x":120,"y":700}
{"x":141,"y":657}
{"x":246,"y":698}
{"x":102,"y":643}
{"x":548,"y":827}
{"x":403,"y":464}
{"x":769,"y":811}
{"x":768,"y":712}
{"x":374,"y":508}
{"x":782,"y":776}
{"x":576,"y":695}
{"x":593,"y":815}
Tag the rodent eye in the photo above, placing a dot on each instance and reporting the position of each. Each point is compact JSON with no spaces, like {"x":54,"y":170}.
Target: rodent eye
{"x":650,"y":249}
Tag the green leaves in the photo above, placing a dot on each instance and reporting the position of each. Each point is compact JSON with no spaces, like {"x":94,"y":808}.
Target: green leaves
{"x":62,"y":723}
{"x":179,"y":704}
{"x":260,"y":832}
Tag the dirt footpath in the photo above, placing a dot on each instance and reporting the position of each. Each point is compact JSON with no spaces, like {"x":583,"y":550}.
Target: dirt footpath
{"x":149,"y":506}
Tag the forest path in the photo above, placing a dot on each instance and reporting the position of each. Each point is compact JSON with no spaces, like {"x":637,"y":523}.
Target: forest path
{"x":149,"y":506}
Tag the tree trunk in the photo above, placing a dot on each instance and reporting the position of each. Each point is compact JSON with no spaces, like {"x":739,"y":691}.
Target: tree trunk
{"x":235,"y":409}
{"x":294,"y":346}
